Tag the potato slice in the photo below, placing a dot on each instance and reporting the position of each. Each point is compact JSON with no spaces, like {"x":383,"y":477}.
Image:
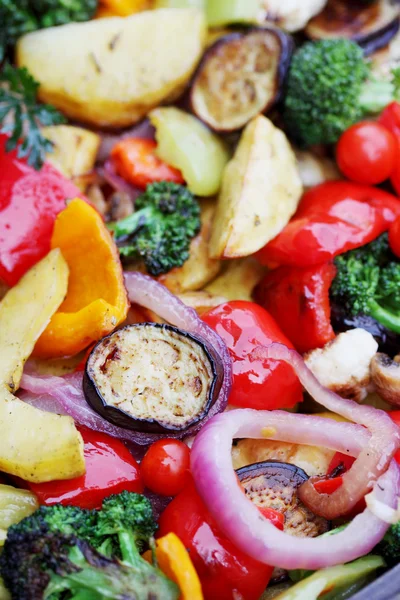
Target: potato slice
{"x":113,"y":71}
{"x":261,"y":189}
{"x":238,"y":279}
{"x":25,"y":312}
{"x":201,"y":300}
{"x":74,"y":150}
{"x":199,"y":269}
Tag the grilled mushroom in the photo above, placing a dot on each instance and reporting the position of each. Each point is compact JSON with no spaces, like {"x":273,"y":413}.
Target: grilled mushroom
{"x":152,"y":377}
{"x":385,"y":373}
{"x":371,"y":24}
{"x":240,"y":76}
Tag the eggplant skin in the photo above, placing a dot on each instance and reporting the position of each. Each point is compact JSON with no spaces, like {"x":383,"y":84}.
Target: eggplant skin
{"x":153,"y":378}
{"x":240,"y":76}
{"x":274,"y":484}
{"x":371,"y":24}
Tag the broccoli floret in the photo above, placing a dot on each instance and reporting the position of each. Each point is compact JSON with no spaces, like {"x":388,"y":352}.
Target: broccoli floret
{"x":48,"y":555}
{"x":159,"y":232}
{"x":368,"y":282}
{"x":389,"y":547}
{"x":328,"y":89}
{"x":18,"y":18}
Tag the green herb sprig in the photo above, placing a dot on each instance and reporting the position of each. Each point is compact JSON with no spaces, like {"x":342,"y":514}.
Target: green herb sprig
{"x":21,"y":116}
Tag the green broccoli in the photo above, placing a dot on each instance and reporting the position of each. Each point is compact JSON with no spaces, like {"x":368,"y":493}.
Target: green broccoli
{"x":159,"y":232}
{"x":56,"y":554}
{"x":389,"y":547}
{"x":368,"y":282}
{"x":329,"y":88}
{"x":18,"y":18}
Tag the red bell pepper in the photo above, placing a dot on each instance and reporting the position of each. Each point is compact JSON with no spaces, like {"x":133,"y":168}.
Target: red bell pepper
{"x":260,"y":384}
{"x":395,"y":416}
{"x":394,"y":237}
{"x":340,"y":460}
{"x":110,"y":469}
{"x":135,"y":160}
{"x":298,"y":299}
{"x":29,"y":203}
{"x":390,"y":118}
{"x":332,"y":218}
{"x":225,"y":572}
{"x":329,"y":485}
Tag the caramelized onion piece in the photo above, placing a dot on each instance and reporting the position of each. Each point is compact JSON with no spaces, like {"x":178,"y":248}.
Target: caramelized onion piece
{"x":240,"y":76}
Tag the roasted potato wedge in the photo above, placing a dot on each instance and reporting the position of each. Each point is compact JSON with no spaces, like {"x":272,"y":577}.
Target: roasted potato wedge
{"x":237,"y":280}
{"x":115,"y":70}
{"x":201,"y":300}
{"x":261,"y":189}
{"x":199,"y":269}
{"x":22,"y":322}
{"x":74,"y":150}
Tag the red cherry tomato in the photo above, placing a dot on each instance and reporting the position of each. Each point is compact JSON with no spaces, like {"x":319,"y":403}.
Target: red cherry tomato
{"x":165,"y":467}
{"x":366,"y":153}
{"x":261,"y":384}
{"x":394,"y":237}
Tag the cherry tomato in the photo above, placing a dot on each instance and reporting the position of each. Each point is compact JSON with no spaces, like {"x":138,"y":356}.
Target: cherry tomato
{"x":367,"y":152}
{"x":394,"y":237}
{"x":261,"y":384}
{"x":165,"y":467}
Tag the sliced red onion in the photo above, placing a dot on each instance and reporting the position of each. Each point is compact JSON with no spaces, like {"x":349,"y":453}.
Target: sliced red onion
{"x":64,"y":395}
{"x":372,"y":461}
{"x":144,"y":129}
{"x":238,"y":517}
{"x":108,"y":173}
{"x":147,"y":292}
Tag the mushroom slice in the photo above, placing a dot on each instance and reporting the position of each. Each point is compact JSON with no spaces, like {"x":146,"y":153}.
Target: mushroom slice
{"x":372,"y":25}
{"x":240,"y":76}
{"x":152,"y":377}
{"x":385,"y":374}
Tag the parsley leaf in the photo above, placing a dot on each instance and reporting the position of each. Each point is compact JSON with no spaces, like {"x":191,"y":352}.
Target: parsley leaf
{"x":21,"y":116}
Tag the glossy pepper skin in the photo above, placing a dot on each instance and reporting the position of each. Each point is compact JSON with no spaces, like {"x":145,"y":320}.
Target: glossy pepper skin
{"x":390,"y":118}
{"x":394,"y":237}
{"x":29,"y":203}
{"x":332,"y":218}
{"x":110,"y":469}
{"x":260,"y":384}
{"x":298,"y":299}
{"x":225,"y":572}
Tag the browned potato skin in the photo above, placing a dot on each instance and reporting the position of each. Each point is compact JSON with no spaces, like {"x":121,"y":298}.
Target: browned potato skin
{"x":238,"y":279}
{"x":199,"y":269}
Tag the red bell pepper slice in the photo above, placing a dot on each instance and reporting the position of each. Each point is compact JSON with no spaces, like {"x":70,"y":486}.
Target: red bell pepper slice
{"x":110,"y":469}
{"x":29,"y":203}
{"x":298,"y":299}
{"x":394,"y":237}
{"x":221,"y":567}
{"x":332,"y":218}
{"x":135,"y":160}
{"x":340,"y":460}
{"x":260,"y":384}
{"x":390,"y":118}
{"x":395,"y":416}
{"x":328,"y":486}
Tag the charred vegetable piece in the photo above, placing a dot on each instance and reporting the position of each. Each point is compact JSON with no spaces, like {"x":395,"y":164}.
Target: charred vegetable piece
{"x":151,"y":377}
{"x":385,"y":374}
{"x":274,"y":485}
{"x":371,"y":24}
{"x":240,"y":76}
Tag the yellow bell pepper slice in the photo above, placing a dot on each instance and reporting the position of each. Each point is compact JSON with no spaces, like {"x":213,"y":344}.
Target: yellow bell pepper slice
{"x":96,"y":300}
{"x":121,"y":8}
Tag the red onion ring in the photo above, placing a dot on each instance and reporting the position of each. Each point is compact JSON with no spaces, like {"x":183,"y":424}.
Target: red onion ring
{"x":373,"y":459}
{"x":238,"y":517}
{"x":65,"y":393}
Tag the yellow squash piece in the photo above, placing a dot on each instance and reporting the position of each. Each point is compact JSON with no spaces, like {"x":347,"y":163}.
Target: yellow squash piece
{"x":113,"y":71}
{"x":25,"y":312}
{"x":15,"y":505}
{"x":261,"y":189}
{"x":35,"y":445}
{"x":96,"y":301}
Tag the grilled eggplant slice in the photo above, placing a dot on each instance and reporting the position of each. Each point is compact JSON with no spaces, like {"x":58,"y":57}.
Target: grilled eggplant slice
{"x":370,"y":24}
{"x":152,"y":377}
{"x":274,"y":484}
{"x":240,"y":76}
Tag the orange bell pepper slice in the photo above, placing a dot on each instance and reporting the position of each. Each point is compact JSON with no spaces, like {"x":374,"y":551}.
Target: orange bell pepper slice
{"x":174,"y":561}
{"x":96,"y":300}
{"x":136,"y":161}
{"x":121,"y":8}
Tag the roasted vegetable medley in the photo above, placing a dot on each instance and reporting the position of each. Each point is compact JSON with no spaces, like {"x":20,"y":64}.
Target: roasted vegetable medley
{"x":199,"y":299}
